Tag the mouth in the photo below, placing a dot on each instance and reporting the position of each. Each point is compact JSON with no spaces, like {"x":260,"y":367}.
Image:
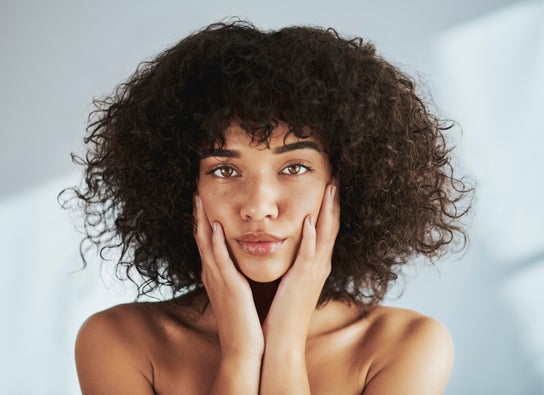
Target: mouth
{"x":260,"y":244}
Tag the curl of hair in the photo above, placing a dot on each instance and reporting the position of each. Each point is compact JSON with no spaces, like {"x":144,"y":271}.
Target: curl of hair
{"x":399,"y":197}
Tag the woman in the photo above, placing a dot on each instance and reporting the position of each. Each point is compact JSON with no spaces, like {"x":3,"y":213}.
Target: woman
{"x":275,"y":181}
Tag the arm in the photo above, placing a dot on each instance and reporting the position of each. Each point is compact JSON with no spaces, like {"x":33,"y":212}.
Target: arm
{"x":287,"y":324}
{"x":238,"y":324}
{"x":419,"y":362}
{"x":237,"y":375}
{"x":107,"y":362}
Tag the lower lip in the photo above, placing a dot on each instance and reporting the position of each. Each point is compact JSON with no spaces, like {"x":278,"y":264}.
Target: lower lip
{"x":260,"y":248}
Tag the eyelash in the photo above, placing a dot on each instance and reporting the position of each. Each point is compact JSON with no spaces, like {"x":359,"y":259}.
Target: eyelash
{"x":283,"y":171}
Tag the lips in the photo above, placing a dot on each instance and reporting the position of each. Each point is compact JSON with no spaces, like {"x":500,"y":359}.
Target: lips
{"x":260,"y":244}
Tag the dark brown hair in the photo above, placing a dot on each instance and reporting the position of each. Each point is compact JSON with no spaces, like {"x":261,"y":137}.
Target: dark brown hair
{"x":399,"y":197}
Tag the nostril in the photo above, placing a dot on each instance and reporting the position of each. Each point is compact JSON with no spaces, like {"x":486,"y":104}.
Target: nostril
{"x":259,"y":210}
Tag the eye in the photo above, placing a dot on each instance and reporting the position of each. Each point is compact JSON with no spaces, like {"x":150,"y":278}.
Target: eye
{"x":295,"y":169}
{"x":224,"y":172}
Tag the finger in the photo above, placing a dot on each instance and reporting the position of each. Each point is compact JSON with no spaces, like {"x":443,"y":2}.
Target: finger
{"x":232,"y":279}
{"x":203,"y":233}
{"x":328,"y":223}
{"x":220,"y":250}
{"x":308,"y":243}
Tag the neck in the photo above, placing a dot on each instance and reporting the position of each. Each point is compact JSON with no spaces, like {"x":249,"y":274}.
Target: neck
{"x":263,"y":295}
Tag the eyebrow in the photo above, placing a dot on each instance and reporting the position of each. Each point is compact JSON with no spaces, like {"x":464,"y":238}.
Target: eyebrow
{"x":228,"y":153}
{"x":297,"y":145}
{"x":222,"y":153}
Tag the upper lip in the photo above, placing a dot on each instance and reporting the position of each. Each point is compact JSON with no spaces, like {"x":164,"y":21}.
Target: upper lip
{"x":259,"y":236}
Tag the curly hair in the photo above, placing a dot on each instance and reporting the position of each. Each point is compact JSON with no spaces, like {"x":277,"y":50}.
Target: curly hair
{"x":399,"y":198}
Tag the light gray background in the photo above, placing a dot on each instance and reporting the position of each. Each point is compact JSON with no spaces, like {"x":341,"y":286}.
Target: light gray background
{"x":482,"y":60}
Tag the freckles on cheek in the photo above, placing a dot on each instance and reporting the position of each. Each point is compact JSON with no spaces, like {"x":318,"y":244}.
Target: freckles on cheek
{"x":215,"y":205}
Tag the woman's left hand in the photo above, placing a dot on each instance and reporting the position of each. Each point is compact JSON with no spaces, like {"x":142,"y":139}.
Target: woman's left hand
{"x":288,"y":320}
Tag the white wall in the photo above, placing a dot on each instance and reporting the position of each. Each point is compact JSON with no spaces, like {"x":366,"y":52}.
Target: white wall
{"x":45,"y":295}
{"x":489,"y":75}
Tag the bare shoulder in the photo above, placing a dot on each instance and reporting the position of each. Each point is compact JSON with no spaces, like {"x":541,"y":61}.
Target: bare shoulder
{"x":112,"y":351}
{"x":411,"y":353}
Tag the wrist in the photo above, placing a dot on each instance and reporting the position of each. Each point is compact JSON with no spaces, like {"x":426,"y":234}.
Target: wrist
{"x":289,"y":345}
{"x":288,"y":353}
{"x":247,"y":348}
{"x":237,"y":375}
{"x":241,"y":358}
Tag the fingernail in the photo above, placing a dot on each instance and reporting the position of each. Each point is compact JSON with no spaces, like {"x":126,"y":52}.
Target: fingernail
{"x":311,"y":220}
{"x":332,"y":190}
{"x":198,"y":202}
{"x":215,"y":226}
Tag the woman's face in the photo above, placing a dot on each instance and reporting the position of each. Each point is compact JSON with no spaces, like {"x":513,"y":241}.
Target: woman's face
{"x":261,"y":197}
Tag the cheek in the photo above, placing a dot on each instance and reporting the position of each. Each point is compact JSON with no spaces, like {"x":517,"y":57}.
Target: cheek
{"x":217,"y":205}
{"x":306,"y":202}
{"x":209,"y":202}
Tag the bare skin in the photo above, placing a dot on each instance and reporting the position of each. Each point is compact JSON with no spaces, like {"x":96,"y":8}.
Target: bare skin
{"x":265,"y":235}
{"x":167,"y":349}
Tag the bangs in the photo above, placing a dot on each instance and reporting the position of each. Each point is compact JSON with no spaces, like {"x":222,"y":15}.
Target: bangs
{"x":257,"y":84}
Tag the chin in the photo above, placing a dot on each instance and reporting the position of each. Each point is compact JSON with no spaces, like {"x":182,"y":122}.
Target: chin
{"x":262,"y":270}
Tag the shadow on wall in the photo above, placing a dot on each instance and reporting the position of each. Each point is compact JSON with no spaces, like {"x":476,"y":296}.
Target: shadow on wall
{"x":488,"y":77}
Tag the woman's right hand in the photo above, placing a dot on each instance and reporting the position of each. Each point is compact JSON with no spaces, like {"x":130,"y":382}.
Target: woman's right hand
{"x":231,"y":299}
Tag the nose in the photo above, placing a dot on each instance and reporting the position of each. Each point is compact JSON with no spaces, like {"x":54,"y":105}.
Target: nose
{"x":260,"y":200}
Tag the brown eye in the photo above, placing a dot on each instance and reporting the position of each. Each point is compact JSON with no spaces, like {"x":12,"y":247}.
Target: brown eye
{"x":225,"y":172}
{"x":295,"y":169}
